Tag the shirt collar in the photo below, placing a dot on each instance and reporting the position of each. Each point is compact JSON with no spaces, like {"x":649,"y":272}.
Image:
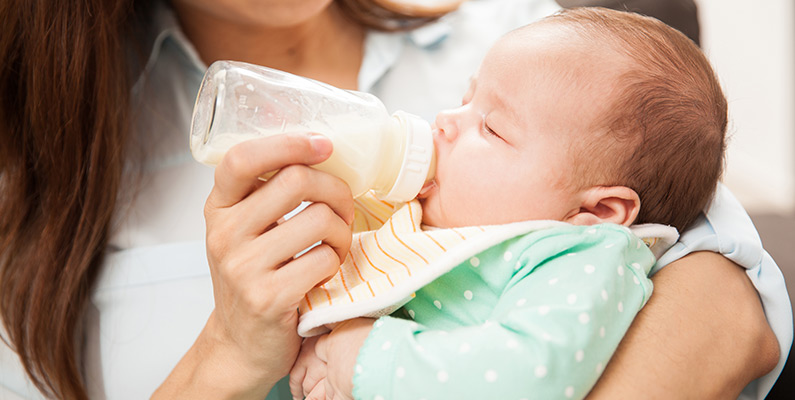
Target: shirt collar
{"x":382,"y":49}
{"x":164,"y":28}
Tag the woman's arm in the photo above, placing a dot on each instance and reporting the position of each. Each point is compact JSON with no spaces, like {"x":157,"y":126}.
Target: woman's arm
{"x":250,"y":339}
{"x":702,"y":335}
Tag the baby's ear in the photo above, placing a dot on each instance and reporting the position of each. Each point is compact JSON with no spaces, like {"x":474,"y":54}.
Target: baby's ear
{"x":601,"y":204}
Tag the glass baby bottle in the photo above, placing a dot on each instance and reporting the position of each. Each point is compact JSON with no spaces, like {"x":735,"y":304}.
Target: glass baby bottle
{"x":392,"y":155}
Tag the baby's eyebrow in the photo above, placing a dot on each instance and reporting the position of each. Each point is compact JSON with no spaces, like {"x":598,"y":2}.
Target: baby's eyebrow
{"x":508,"y":106}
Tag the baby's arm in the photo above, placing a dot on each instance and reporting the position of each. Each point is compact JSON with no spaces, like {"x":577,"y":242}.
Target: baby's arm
{"x":550,"y":333}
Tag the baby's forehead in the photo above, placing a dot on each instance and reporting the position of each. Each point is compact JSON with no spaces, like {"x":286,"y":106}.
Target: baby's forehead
{"x":562,"y":57}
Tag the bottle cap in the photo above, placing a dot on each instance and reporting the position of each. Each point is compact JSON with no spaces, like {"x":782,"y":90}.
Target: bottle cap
{"x":416,"y":161}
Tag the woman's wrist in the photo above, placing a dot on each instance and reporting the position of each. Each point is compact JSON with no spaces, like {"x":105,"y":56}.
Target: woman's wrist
{"x":214,"y":368}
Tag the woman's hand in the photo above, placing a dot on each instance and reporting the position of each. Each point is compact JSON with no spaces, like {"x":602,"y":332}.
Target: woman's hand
{"x":250,"y":340}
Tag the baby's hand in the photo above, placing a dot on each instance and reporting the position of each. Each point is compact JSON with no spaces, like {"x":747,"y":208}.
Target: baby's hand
{"x":309,"y":372}
{"x":339,"y":350}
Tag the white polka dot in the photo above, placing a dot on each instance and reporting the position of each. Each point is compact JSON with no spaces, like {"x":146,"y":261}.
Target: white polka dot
{"x":378,"y":323}
{"x":400,"y":372}
{"x":411,"y":314}
{"x":419,"y":348}
{"x":620,"y":270}
{"x":413,"y":325}
{"x":359,"y":368}
{"x":571,"y":299}
{"x":620,"y":307}
{"x":543,"y":310}
{"x":589,"y":269}
{"x":474,"y":261}
{"x":512,"y":344}
{"x":438,"y":304}
{"x":377,"y":397}
{"x":442,"y":376}
{"x":521,"y":302}
{"x":609,"y":245}
{"x":569,"y":392}
{"x":636,"y":265}
{"x":386,"y":345}
{"x":584,"y":318}
{"x":518,"y":265}
{"x":635,"y":279}
{"x":590,"y":231}
{"x":571,"y":254}
{"x":541,"y":371}
{"x":604,"y":295}
{"x":464,"y":348}
{"x":599,"y":368}
{"x":602,"y":331}
{"x":490,"y":376}
{"x":638,"y":244}
{"x":553,"y":281}
{"x":579,"y":355}
{"x":507,"y":256}
{"x":546,"y":336}
{"x":468,"y":294}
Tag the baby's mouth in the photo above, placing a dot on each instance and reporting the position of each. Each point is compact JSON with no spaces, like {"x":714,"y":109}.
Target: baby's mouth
{"x":426,"y":189}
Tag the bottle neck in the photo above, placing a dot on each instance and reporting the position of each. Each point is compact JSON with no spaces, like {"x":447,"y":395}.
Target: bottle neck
{"x":411,"y":158}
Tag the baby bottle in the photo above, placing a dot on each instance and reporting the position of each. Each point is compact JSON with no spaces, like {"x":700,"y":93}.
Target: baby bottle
{"x":392,"y":155}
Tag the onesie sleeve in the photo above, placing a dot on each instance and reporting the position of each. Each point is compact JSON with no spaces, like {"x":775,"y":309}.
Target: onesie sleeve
{"x":555,"y":323}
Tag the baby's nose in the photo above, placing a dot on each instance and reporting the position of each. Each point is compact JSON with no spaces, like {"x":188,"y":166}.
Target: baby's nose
{"x":446,"y":125}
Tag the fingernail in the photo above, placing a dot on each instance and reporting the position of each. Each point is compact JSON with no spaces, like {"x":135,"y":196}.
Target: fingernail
{"x":320,"y":144}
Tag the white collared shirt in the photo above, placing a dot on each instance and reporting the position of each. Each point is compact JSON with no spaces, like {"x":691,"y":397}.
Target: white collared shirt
{"x":154,"y":293}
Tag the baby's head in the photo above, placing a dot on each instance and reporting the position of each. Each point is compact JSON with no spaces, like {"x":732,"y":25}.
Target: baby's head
{"x":582,"y":117}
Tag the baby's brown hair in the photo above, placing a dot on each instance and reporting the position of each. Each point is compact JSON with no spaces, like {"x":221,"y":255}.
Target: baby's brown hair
{"x":667,"y":123}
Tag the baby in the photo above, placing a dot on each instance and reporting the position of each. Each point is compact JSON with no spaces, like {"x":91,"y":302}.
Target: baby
{"x":570,"y":125}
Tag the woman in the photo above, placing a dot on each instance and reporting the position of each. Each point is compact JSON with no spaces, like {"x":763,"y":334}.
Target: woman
{"x":105,"y":290}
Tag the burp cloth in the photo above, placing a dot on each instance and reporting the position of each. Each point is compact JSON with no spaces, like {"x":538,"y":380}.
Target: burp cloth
{"x":387,"y":265}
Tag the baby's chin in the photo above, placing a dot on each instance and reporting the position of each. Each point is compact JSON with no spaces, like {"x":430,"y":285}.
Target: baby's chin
{"x":429,"y":217}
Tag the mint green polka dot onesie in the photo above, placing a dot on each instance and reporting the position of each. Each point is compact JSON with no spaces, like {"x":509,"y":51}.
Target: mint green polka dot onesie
{"x":535,"y":317}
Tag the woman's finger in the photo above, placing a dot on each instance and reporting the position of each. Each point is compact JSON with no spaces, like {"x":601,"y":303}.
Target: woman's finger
{"x":297,"y":277}
{"x":287,"y":190}
{"x":316,"y":223}
{"x":237,"y":174}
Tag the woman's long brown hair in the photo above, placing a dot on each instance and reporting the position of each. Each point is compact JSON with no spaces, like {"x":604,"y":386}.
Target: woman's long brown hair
{"x":64,"y":119}
{"x":64,"y":95}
